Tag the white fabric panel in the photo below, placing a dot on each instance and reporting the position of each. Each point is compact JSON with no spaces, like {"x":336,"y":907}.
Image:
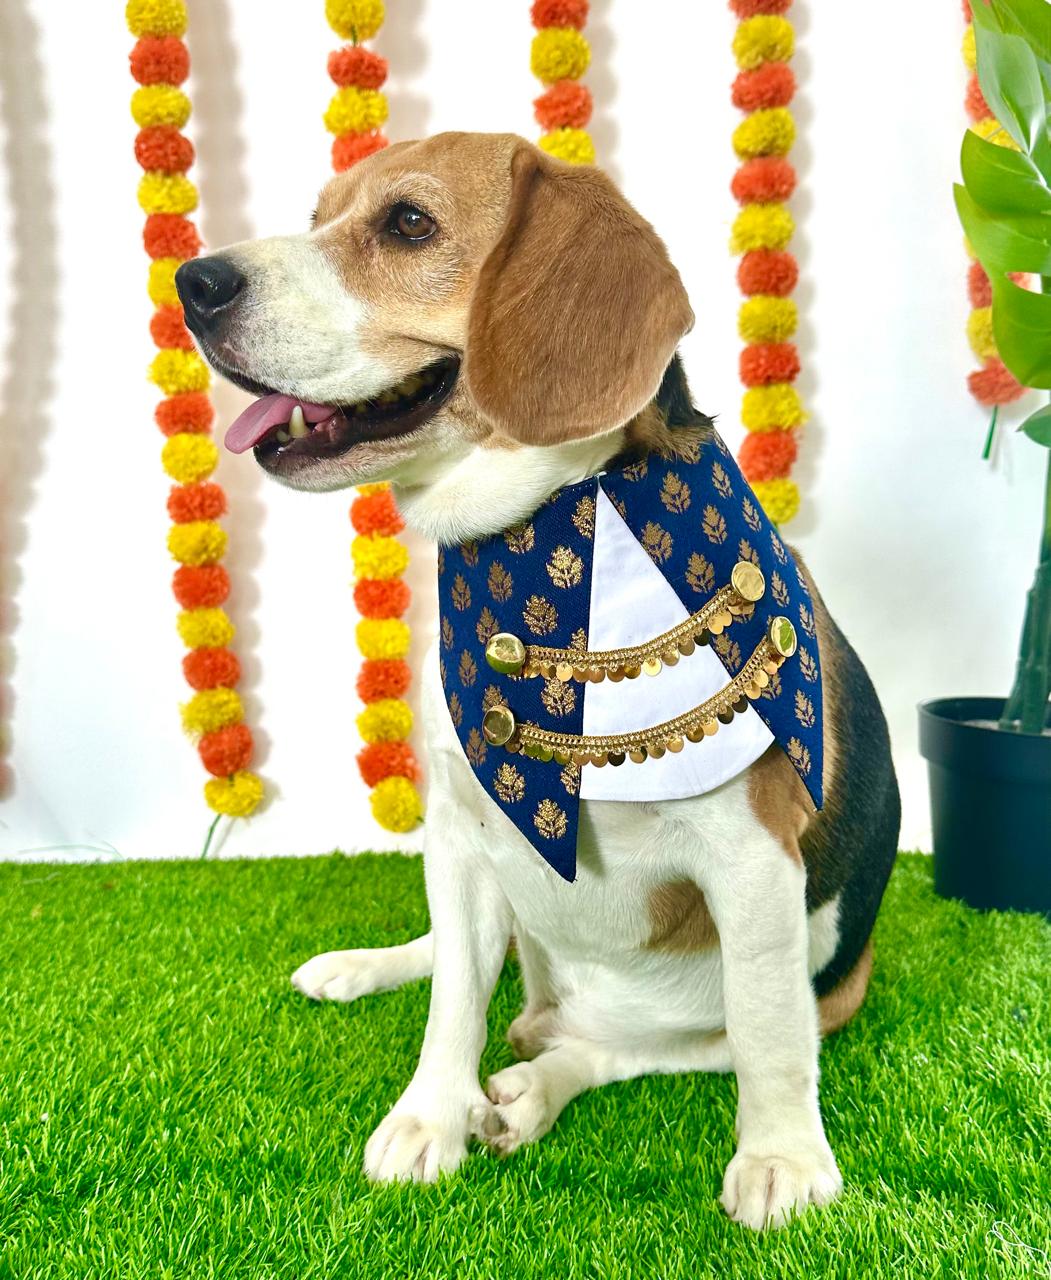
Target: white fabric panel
{"x":631,"y":602}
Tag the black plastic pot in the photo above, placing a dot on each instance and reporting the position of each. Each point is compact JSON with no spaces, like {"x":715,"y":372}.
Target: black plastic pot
{"x":990,"y":806}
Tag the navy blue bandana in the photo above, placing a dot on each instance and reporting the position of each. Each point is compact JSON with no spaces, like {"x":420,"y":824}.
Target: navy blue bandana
{"x":698,"y":521}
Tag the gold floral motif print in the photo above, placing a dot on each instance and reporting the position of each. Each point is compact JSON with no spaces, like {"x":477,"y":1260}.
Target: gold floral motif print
{"x":447,"y":634}
{"x":509,"y":784}
{"x":778,"y":589}
{"x":455,"y":709}
{"x":570,"y":778}
{"x":713,"y":525}
{"x":727,"y":649}
{"x":492,"y":697}
{"x":745,"y":551}
{"x":565,"y":568}
{"x":675,"y":493}
{"x":469,"y":551}
{"x":487,"y":626}
{"x":657,"y":542}
{"x":751,"y":515}
{"x":773,"y":689}
{"x":799,"y":755}
{"x":550,"y":820}
{"x":700,"y":573}
{"x":584,"y":517}
{"x":721,"y":481}
{"x":468,"y":670}
{"x":461,"y":594}
{"x":806,"y":620}
{"x":477,"y":748}
{"x":540,"y":616}
{"x":441,"y":561}
{"x":500,"y":583}
{"x":520,"y":539}
{"x":578,"y":641}
{"x":808,"y":665}
{"x":804,"y":710}
{"x":559,"y":699}
{"x":637,"y":471}
{"x":779,"y":548}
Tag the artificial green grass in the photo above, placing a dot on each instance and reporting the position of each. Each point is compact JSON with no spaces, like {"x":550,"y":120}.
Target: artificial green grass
{"x":169,"y":1107}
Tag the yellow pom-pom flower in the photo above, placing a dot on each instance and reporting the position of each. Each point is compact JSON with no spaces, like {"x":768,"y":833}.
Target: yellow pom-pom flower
{"x":779,"y":498}
{"x":354,"y":19}
{"x":572,"y":145}
{"x":396,"y":804}
{"x":174,"y":371}
{"x":236,"y":797}
{"x":166,"y":193}
{"x":775,"y":407}
{"x":197,"y":542}
{"x":970,"y":49}
{"x":188,"y":458}
{"x":383,"y":637}
{"x":559,"y":53}
{"x":156,"y":17}
{"x":993,"y":131}
{"x":980,"y":332}
{"x":761,"y":226}
{"x":763,"y":39}
{"x":204,"y":628}
{"x":161,"y":286}
{"x":159,"y":104}
{"x":212,"y":709}
{"x":767,"y":319}
{"x":354,"y":110}
{"x":376,"y":556}
{"x":388,"y":720}
{"x":765,"y":133}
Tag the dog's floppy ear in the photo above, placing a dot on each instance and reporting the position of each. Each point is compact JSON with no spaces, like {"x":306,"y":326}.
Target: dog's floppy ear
{"x":577,"y":309}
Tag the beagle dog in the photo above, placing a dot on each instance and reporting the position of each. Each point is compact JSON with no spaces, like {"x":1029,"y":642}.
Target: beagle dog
{"x":494,"y":333}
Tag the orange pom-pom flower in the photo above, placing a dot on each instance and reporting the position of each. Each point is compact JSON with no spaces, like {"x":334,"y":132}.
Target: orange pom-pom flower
{"x":383,"y":678}
{"x":196,"y":502}
{"x":167,"y":329}
{"x":160,"y":60}
{"x":771,"y":85}
{"x":559,"y":13}
{"x":188,"y":411}
{"x":381,"y":597}
{"x":162,"y":146}
{"x":381,"y":760}
{"x":200,"y":586}
{"x":994,"y":384}
{"x":376,"y":513}
{"x":349,"y":148}
{"x":766,"y":455}
{"x":211,"y":669}
{"x":763,"y":180}
{"x":566,"y":105}
{"x":772,"y":271}
{"x":224,"y":751}
{"x":752,"y":8}
{"x":356,"y":66}
{"x":170,"y":235}
{"x":769,"y":362}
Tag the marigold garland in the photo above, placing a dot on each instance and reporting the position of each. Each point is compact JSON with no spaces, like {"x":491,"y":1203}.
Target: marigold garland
{"x":388,"y":766}
{"x":558,"y":58}
{"x":160,"y":63}
{"x":771,"y":409}
{"x":993,"y":384}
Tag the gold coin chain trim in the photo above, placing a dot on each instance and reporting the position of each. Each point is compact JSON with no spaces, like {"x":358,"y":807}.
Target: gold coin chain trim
{"x":701,"y":722}
{"x":662,"y":651}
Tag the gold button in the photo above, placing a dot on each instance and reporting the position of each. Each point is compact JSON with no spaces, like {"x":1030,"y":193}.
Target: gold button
{"x":782,"y":636}
{"x":498,"y":725}
{"x":748,"y":581}
{"x":505,"y":653}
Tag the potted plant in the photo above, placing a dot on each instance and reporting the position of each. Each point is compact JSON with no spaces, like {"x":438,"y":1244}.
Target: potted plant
{"x":989,"y":759}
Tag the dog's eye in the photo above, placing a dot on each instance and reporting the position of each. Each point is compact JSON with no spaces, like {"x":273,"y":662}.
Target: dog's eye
{"x":410,"y":223}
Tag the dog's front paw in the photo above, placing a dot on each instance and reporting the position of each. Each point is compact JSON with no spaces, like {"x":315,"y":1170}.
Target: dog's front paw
{"x":416,"y":1144}
{"x":338,"y":975}
{"x":521,"y":1110}
{"x":766,"y":1190}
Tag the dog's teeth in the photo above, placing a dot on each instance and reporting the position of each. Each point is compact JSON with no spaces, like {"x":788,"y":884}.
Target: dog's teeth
{"x":297,"y":424}
{"x":283,"y":437}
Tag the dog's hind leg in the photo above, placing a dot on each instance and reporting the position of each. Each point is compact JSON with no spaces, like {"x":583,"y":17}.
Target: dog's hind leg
{"x":529,"y":1096}
{"x":346,"y":975}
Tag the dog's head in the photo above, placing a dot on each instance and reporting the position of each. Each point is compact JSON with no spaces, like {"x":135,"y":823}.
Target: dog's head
{"x":460,"y":292}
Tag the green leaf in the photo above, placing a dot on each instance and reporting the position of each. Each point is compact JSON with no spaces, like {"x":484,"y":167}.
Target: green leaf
{"x":1028,"y":18}
{"x":1022,"y":328}
{"x":1010,"y":80}
{"x":1038,"y":426}
{"x":1000,"y":180}
{"x":1003,"y":244}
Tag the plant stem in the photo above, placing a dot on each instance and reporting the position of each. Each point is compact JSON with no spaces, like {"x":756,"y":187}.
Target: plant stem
{"x":991,"y":435}
{"x":208,"y":837}
{"x":1026,"y":708}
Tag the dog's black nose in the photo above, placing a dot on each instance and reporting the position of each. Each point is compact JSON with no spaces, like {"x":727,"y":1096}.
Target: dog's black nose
{"x":206,"y":286}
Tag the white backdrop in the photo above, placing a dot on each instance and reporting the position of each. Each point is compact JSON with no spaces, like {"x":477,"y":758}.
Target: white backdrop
{"x":921,"y":550}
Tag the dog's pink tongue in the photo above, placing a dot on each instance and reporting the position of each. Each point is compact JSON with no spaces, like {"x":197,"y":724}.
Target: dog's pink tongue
{"x":269,"y":411}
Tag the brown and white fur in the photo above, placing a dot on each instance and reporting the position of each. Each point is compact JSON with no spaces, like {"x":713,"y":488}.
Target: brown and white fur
{"x":722,"y":933}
